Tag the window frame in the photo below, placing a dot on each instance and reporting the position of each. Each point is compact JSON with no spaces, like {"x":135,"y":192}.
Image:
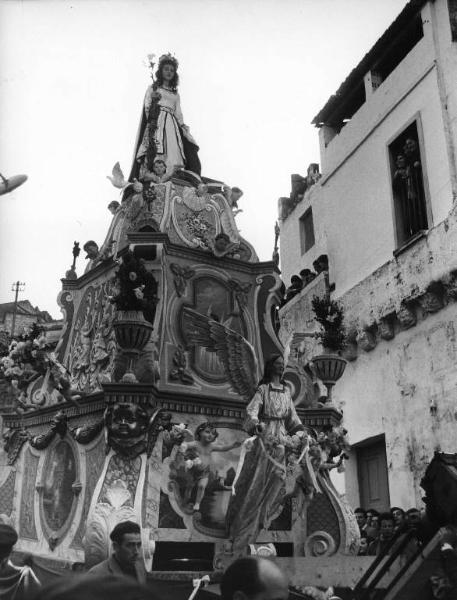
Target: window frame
{"x":302,"y":231}
{"x":396,"y":219}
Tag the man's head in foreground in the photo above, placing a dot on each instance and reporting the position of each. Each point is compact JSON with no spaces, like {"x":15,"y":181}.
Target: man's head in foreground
{"x":126,"y":538}
{"x":8,"y":538}
{"x":253,"y":578}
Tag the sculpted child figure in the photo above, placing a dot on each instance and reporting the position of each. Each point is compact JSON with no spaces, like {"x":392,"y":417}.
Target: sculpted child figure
{"x":159,"y":172}
{"x":199,"y":460}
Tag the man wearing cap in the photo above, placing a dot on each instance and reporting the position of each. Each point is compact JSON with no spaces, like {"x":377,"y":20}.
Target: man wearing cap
{"x":16,"y":583}
{"x":126,"y":559}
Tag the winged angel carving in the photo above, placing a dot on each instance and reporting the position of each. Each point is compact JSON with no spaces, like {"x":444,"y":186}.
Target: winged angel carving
{"x":276,"y":432}
{"x":235,"y":353}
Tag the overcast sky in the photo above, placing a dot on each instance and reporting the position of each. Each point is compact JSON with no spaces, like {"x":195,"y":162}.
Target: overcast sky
{"x":72,"y":80}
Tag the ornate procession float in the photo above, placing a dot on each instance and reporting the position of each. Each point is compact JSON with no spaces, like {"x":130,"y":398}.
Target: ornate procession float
{"x":150,"y":408}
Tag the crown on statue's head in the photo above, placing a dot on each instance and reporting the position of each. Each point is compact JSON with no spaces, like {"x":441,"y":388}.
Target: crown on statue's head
{"x":168,"y":58}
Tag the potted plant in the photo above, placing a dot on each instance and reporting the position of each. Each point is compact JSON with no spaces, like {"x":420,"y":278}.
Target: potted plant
{"x":135,"y":300}
{"x":330,"y":365}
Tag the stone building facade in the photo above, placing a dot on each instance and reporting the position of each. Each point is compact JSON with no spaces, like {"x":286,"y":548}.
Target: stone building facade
{"x":26,"y":315}
{"x":383,"y":211}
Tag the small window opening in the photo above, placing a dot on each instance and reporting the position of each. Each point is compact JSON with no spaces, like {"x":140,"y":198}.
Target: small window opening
{"x":408,"y":185}
{"x":307,"y":239}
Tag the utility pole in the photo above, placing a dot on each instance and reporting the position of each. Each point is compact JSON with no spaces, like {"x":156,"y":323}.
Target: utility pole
{"x":17,"y":287}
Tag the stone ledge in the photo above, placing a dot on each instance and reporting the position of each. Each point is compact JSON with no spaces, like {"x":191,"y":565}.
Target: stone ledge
{"x":419,"y":281}
{"x":338,"y":570}
{"x":413,"y":309}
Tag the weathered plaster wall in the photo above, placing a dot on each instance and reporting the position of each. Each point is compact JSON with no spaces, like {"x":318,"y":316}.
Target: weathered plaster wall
{"x":407,"y":276}
{"x":389,"y":390}
{"x":446,"y":53}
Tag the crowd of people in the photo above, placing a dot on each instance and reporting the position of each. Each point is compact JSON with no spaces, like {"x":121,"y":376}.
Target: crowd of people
{"x":378,"y":529}
{"x":122,"y":576}
{"x":306,"y":276}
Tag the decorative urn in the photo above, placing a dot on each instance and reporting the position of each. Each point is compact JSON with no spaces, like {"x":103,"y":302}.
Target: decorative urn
{"x":329,"y":368}
{"x":132,"y":333}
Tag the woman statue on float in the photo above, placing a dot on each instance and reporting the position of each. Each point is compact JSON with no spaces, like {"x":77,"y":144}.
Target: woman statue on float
{"x":163,"y":136}
{"x":272,"y":420}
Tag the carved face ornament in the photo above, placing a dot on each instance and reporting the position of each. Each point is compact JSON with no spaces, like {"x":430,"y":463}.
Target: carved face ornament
{"x":129,"y":421}
{"x":127,"y":426}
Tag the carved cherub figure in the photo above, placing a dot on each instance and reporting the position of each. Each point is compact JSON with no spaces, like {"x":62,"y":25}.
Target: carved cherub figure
{"x":92,"y":254}
{"x":232,"y":195}
{"x":91,"y":249}
{"x":198,"y":459}
{"x":300,"y":475}
{"x":333,"y":445}
{"x":222,"y":246}
{"x":158,"y":173}
{"x":113,"y":207}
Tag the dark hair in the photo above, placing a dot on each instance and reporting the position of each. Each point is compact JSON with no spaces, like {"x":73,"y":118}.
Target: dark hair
{"x":90,"y":243}
{"x":397,"y":508}
{"x":5,"y":551}
{"x":373,"y":512}
{"x":412,"y":510}
{"x":241,"y":576}
{"x":202,"y":427}
{"x":91,"y":587}
{"x":360,"y":510}
{"x":8,"y":538}
{"x":222,"y":236}
{"x":159,"y":77}
{"x":159,"y":160}
{"x":363,"y":535}
{"x":268,"y":368}
{"x":386,"y":517}
{"x":122,"y":529}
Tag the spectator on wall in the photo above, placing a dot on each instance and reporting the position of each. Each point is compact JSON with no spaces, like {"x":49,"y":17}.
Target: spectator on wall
{"x":16,"y":583}
{"x":399,"y":517}
{"x":363,"y":548}
{"x":386,"y":533}
{"x":372,"y":528}
{"x":361,"y":518}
